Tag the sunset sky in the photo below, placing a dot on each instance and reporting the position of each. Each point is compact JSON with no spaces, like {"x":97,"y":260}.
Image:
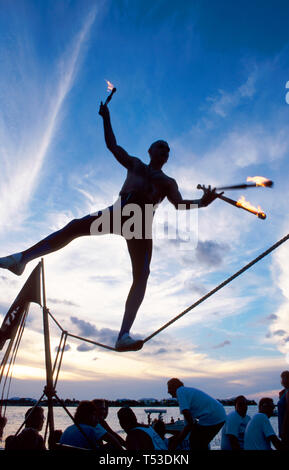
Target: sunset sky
{"x":208,"y":77}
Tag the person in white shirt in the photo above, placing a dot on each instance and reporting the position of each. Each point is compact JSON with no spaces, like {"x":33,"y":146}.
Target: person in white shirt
{"x":259,"y":433}
{"x":197,"y":405}
{"x":233,"y":430}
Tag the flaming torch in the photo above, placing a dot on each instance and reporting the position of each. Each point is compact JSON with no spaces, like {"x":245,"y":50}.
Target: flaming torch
{"x":110,"y":88}
{"x":242,"y":204}
{"x":246,"y":205}
{"x":255,"y":181}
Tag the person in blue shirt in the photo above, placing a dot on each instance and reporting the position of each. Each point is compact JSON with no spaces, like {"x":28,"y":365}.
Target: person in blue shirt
{"x":259,"y":434}
{"x":86,"y":433}
{"x":139,"y":436}
{"x":233,"y":430}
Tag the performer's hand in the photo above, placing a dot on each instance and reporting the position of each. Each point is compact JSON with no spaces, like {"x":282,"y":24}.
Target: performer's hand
{"x":209,"y":195}
{"x":103,"y":110}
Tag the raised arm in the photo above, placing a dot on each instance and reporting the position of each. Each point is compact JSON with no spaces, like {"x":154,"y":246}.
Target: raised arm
{"x":175,"y":197}
{"x":120,"y":154}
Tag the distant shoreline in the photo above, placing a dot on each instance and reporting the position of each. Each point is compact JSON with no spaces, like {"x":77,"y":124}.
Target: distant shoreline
{"x":111,"y":405}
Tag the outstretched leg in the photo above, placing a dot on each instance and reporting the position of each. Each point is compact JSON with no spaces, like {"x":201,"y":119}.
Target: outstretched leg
{"x":57,"y":240}
{"x":140,"y":251}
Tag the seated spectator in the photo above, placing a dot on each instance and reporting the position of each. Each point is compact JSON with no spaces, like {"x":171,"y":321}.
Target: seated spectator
{"x":160,"y":427}
{"x":233,"y":430}
{"x":259,"y":433}
{"x":86,"y":433}
{"x":29,"y":438}
{"x":102,"y":413}
{"x":139,"y":436}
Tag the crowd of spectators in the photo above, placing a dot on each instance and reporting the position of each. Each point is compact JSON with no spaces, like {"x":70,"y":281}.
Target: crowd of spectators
{"x":204,"y":418}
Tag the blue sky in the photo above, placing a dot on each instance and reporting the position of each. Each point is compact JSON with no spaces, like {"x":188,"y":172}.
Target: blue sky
{"x":208,"y":77}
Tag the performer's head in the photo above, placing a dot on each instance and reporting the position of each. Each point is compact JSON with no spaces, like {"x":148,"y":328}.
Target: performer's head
{"x":173,"y":385}
{"x":159,"y":152}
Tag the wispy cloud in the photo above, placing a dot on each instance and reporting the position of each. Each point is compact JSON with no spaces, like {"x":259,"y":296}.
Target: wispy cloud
{"x":221,"y":345}
{"x":68,"y":303}
{"x":22,"y":160}
{"x":224,"y":102}
{"x":106,"y":336}
{"x":279,"y":329}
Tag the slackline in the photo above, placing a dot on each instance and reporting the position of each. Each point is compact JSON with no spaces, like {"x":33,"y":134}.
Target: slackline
{"x":191,"y":307}
{"x":220,"y":286}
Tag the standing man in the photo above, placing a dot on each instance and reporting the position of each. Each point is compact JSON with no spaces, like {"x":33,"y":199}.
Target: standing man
{"x":145,"y":187}
{"x":195,"y":404}
{"x":259,"y":433}
{"x":233,"y":430}
{"x":283,"y":408}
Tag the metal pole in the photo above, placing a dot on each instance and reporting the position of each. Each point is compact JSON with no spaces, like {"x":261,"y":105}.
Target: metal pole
{"x":49,"y":389}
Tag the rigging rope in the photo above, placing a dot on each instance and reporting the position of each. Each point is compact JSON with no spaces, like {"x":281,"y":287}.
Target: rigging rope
{"x":195,"y":304}
{"x":220,"y":286}
{"x":14,"y":343}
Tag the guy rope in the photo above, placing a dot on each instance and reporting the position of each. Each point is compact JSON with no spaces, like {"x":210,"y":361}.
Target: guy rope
{"x":220,"y":286}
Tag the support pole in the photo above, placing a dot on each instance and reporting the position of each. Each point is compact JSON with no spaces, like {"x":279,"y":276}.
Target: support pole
{"x":49,"y":389}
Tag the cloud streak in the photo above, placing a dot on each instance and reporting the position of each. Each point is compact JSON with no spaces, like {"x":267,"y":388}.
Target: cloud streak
{"x":23,"y":161}
{"x":223,"y":104}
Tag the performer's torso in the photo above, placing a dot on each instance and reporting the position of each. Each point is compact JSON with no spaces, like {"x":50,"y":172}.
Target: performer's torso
{"x":147,"y":185}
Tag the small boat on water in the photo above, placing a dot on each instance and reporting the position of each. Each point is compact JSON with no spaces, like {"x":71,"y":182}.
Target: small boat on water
{"x":171,"y":426}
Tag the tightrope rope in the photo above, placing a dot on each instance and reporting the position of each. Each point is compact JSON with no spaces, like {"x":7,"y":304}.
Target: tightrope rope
{"x":220,"y":286}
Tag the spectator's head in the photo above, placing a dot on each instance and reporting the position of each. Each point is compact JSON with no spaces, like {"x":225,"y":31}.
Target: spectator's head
{"x":86,"y":413}
{"x":173,"y":385}
{"x":160,"y":427}
{"x":127,"y":418}
{"x":241,"y":405}
{"x":101,"y":408}
{"x":266,"y":406}
{"x":34,"y":418}
{"x":285,"y":378}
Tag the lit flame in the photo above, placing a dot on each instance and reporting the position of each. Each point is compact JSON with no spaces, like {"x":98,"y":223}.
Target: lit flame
{"x":110,"y":86}
{"x":259,"y":180}
{"x":249,"y":207}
